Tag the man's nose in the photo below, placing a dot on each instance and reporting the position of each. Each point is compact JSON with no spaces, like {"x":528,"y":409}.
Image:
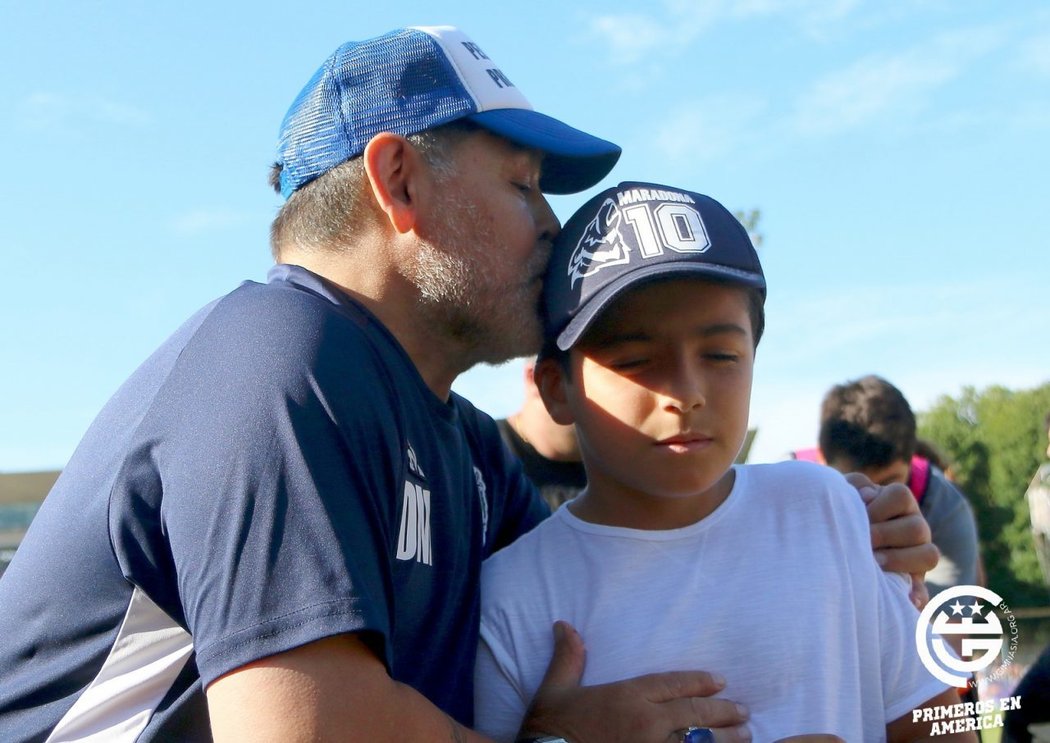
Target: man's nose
{"x":547,"y":224}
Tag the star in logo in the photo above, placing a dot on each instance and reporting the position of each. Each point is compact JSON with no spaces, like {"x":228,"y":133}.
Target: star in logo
{"x":957,"y":608}
{"x":976,"y":608}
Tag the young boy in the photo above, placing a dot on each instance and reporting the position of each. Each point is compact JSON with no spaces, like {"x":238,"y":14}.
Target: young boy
{"x":673,"y":558}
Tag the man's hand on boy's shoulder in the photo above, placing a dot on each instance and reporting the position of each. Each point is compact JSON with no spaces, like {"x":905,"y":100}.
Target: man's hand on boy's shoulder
{"x":648,"y":709}
{"x":900,"y":535}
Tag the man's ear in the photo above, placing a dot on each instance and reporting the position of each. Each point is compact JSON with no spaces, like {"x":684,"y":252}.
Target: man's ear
{"x":392,"y":164}
{"x":552,"y":381}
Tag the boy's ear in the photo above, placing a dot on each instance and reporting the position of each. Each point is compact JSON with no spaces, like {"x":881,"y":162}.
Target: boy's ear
{"x":392,"y":165}
{"x":552,"y":380}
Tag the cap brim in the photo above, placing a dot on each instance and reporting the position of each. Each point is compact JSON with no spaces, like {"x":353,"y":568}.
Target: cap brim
{"x":594,"y":306}
{"x":574,"y":160}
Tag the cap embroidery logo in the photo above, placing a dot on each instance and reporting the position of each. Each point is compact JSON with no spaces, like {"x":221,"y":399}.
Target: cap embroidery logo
{"x":600,"y":245}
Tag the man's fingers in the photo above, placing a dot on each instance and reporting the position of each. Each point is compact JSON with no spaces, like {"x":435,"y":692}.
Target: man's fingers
{"x":645,"y":709}
{"x":726,"y":720}
{"x":915,"y":560}
{"x":864,"y":485}
{"x":566,"y":666}
{"x":900,"y":535}
{"x":903,"y":531}
{"x":678,"y":685}
{"x":739,"y":734}
{"x":685,"y":700}
{"x":919,"y":594}
{"x":890,"y":502}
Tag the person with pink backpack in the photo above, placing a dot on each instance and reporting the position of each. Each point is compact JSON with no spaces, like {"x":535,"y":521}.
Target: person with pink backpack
{"x":867,"y":426}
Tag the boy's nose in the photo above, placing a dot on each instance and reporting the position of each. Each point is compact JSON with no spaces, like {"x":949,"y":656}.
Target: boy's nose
{"x":685,"y":393}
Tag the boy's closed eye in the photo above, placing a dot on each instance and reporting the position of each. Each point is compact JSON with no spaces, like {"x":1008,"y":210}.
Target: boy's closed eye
{"x":722,"y":357}
{"x":627,"y":364}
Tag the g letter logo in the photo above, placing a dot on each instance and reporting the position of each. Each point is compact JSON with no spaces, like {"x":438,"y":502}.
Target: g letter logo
{"x":975,"y":622}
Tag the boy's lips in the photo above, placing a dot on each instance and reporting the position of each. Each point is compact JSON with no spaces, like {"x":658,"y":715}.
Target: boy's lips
{"x":684,"y":442}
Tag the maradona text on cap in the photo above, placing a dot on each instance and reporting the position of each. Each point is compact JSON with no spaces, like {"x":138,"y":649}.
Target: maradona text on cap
{"x":635,"y":233}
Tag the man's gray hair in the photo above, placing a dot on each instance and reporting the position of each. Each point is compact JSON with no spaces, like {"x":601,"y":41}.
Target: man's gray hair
{"x":326,"y":212}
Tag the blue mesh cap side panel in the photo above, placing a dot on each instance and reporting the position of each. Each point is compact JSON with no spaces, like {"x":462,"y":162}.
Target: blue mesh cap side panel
{"x":401,"y":82}
{"x":404,"y":84}
{"x":312,"y":139}
{"x":429,"y":92}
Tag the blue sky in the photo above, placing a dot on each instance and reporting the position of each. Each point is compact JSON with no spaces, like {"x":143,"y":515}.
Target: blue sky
{"x":898,"y":153}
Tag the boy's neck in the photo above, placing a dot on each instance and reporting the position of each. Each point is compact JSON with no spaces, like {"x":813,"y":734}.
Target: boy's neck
{"x":614,"y":504}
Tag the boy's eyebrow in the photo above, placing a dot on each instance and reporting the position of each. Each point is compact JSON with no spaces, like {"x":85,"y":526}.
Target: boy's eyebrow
{"x":642,"y":336}
{"x":720,"y":328}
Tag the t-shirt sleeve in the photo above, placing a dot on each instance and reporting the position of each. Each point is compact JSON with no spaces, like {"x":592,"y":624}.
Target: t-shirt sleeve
{"x":272,"y":457}
{"x":906,"y":683}
{"x":499,"y":704}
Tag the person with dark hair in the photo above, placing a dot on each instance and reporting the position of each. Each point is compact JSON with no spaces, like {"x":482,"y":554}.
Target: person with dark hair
{"x":867,"y":426}
{"x":549,"y":451}
{"x":654,"y":304}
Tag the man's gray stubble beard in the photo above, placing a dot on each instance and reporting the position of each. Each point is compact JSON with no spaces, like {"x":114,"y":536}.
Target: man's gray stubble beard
{"x":448,"y":286}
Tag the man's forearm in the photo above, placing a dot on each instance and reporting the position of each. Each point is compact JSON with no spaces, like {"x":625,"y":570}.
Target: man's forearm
{"x":332,"y":689}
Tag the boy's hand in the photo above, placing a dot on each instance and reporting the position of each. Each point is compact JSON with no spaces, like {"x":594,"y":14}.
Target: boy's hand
{"x":645,"y":709}
{"x":900,"y":535}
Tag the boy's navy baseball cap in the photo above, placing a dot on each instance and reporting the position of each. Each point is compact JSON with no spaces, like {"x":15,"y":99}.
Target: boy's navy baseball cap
{"x":635,"y":233}
{"x":418,"y":78}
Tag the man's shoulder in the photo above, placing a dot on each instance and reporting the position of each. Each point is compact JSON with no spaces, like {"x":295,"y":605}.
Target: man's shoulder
{"x":286,"y":313}
{"x":281,"y":329}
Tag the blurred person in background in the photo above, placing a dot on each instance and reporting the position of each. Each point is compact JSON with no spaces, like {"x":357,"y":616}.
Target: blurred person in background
{"x":867,"y":426}
{"x":548,"y":450}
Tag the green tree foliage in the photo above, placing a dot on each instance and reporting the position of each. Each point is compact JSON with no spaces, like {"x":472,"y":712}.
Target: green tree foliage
{"x":996,"y":440}
{"x":750,"y":220}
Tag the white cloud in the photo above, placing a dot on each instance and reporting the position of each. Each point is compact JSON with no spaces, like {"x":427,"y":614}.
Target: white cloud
{"x":198,"y":221}
{"x":881,"y":83}
{"x":628,"y":36}
{"x":672,"y":25}
{"x":1034,"y":55}
{"x":53,"y":111}
{"x":708,"y":129}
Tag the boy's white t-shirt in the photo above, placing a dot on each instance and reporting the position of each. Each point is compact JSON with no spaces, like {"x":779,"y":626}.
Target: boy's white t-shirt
{"x":777,"y":590}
